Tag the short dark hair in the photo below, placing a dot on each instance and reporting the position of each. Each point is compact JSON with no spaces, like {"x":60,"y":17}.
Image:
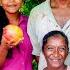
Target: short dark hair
{"x":53,"y":33}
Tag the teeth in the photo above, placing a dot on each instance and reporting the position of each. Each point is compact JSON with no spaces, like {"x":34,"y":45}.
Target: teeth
{"x":55,"y":60}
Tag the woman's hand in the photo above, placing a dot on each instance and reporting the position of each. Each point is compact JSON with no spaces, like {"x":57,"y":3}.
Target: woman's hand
{"x":7,"y":40}
{"x":12,"y":35}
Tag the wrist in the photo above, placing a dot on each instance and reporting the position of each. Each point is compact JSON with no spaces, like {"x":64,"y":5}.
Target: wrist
{"x":4,"y":47}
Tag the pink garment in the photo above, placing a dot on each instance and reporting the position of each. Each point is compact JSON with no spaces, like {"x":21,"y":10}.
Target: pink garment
{"x":22,"y":57}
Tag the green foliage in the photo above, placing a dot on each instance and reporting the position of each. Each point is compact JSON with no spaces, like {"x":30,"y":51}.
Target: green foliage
{"x":35,"y":66}
{"x":29,"y":4}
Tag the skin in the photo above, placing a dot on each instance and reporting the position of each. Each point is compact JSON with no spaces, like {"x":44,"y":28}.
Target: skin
{"x":55,"y":52}
{"x":63,"y":6}
{"x":60,"y":3}
{"x":11,"y":8}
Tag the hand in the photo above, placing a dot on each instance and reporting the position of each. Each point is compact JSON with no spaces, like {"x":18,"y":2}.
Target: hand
{"x":11,"y":36}
{"x":7,"y":41}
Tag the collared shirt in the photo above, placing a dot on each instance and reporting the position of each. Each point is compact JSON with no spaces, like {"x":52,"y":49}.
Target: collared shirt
{"x":21,"y":57}
{"x":42,"y":21}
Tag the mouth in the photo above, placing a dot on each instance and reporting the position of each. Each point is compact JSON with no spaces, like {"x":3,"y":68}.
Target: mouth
{"x":11,"y":6}
{"x":55,"y":60}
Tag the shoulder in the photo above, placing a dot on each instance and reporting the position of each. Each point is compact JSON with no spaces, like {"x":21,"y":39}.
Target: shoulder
{"x":39,"y":8}
{"x":23,"y":18}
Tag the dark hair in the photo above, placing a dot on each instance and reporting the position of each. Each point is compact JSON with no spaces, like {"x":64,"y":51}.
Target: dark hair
{"x":3,"y":22}
{"x":53,"y":33}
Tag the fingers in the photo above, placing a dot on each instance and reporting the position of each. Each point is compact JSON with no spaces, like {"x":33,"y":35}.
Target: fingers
{"x":9,"y":39}
{"x":6,"y":43}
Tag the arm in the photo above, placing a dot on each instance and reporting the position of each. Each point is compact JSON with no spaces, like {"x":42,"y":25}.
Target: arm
{"x":3,"y":51}
{"x":6,"y":44}
{"x":3,"y":54}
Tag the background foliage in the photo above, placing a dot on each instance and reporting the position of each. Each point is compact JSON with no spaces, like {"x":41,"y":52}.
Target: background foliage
{"x":28,"y":5}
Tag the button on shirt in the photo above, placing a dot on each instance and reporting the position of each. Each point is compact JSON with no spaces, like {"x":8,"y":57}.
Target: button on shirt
{"x":42,"y":21}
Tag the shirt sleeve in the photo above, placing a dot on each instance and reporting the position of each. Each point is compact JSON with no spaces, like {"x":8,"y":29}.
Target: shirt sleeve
{"x":31,"y":29}
{"x":35,"y":18}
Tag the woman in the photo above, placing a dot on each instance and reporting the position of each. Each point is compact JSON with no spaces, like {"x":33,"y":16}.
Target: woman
{"x":19,"y":57}
{"x":48,"y":16}
{"x":55,"y":49}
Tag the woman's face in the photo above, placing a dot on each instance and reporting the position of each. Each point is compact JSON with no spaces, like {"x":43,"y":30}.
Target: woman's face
{"x":55,"y":51}
{"x":11,"y":6}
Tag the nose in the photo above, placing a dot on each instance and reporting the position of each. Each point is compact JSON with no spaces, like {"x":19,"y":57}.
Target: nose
{"x":56,"y":53}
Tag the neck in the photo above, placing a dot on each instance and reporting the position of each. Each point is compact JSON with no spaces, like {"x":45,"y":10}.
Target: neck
{"x":13,"y":18}
{"x":56,"y":68}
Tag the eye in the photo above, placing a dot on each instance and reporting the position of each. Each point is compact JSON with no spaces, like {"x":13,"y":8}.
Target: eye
{"x":62,"y":49}
{"x":50,"y":48}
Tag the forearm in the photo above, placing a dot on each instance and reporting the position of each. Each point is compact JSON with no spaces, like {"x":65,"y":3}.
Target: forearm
{"x":3,"y":54}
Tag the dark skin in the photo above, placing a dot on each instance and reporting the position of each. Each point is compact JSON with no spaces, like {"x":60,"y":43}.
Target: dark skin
{"x":61,"y":6}
{"x":55,"y":52}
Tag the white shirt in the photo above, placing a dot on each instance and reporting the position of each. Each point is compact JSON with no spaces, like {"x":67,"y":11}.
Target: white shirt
{"x":42,"y":21}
